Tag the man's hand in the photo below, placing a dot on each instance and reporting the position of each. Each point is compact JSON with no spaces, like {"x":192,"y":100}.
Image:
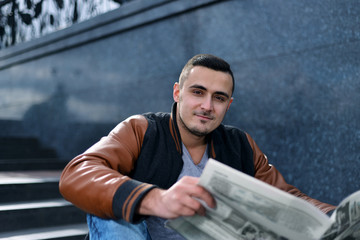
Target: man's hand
{"x":179,"y":200}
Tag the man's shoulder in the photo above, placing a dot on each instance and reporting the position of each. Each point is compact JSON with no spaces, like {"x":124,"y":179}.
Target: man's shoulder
{"x":230,"y":134}
{"x":229,"y":129}
{"x":149,"y":123}
{"x":156,"y":116}
{"x":149,"y":116}
{"x":156,"y":120}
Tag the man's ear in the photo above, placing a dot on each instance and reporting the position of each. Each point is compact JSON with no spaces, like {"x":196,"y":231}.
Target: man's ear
{"x":176,"y":92}
{"x":231,"y":100}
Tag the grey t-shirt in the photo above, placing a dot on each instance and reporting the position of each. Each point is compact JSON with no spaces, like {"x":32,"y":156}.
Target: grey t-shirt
{"x":156,"y":225}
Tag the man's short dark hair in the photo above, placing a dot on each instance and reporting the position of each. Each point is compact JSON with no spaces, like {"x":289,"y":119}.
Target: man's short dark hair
{"x":208,"y":61}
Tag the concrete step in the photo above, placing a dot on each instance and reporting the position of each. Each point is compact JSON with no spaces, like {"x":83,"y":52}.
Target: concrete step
{"x":23,"y":148}
{"x":19,"y":142}
{"x":31,"y":164}
{"x":29,"y":186}
{"x":31,"y":206}
{"x":37,"y":214}
{"x":26,"y":153}
{"x":64,"y":232}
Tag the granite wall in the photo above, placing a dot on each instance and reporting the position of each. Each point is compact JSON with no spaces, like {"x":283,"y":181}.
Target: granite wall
{"x":296,"y":65}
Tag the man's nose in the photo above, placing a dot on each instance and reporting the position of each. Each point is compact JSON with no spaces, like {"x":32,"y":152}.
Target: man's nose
{"x":207,"y":104}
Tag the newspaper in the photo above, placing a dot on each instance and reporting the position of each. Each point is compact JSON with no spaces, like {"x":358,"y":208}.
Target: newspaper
{"x":247,"y":208}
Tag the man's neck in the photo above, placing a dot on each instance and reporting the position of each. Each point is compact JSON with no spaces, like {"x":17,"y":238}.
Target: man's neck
{"x":189,"y":139}
{"x":192,"y":141}
{"x":195,"y":145}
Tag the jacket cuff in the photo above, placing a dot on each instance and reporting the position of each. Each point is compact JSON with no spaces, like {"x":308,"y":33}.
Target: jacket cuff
{"x":127,"y":198}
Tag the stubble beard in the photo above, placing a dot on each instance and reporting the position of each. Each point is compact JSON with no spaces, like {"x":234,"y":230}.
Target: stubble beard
{"x":193,"y":130}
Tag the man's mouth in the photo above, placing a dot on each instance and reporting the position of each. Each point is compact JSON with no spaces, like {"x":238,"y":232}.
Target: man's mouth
{"x":205,"y":117}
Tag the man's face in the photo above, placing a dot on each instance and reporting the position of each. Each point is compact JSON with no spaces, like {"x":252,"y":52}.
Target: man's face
{"x":203,"y":100}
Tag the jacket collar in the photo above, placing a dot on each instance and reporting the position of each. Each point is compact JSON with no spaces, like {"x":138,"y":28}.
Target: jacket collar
{"x":175,"y":133}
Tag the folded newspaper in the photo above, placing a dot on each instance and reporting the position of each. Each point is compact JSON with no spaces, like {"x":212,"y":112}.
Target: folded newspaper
{"x":247,"y":208}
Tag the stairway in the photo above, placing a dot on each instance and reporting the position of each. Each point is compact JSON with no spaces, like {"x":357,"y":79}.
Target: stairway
{"x":31,"y":206}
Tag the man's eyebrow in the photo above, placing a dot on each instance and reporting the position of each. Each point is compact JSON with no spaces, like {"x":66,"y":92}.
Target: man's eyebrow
{"x":204,"y":88}
{"x":198,"y":86}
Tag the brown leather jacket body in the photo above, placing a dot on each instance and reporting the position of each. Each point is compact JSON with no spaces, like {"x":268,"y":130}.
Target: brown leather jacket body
{"x":145,"y":151}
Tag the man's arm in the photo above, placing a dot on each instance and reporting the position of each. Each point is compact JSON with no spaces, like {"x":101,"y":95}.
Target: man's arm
{"x":178,"y":200}
{"x":96,"y":180}
{"x":269,"y":174}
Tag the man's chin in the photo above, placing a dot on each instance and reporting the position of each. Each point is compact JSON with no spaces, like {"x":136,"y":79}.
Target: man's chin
{"x":199,"y":132}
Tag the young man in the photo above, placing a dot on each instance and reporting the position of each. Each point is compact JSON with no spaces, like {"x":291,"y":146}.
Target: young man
{"x":146,"y":170}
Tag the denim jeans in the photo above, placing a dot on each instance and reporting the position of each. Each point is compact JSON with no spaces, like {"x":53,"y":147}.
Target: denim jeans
{"x":107,"y":229}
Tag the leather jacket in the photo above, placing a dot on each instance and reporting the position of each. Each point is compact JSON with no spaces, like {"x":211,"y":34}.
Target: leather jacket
{"x":143,"y":152}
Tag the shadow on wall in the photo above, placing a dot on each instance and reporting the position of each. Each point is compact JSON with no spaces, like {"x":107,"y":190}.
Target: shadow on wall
{"x":49,"y":117}
{"x":49,"y":121}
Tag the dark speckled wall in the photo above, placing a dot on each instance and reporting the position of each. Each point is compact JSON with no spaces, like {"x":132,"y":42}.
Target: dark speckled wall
{"x":296,"y":64}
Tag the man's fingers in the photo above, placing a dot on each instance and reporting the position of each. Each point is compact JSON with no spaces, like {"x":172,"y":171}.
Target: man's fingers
{"x":184,"y":198}
{"x":190,"y":180}
{"x":198,"y":191}
{"x":202,"y":195}
{"x":190,"y":206}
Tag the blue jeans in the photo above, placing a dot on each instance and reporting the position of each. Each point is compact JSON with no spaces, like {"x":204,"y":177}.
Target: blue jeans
{"x":107,"y":229}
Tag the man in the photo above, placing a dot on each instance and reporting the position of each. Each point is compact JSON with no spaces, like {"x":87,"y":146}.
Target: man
{"x":146,"y":170}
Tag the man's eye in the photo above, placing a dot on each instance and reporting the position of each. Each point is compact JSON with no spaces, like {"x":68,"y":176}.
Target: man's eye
{"x":220,"y":98}
{"x":197,"y":92}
